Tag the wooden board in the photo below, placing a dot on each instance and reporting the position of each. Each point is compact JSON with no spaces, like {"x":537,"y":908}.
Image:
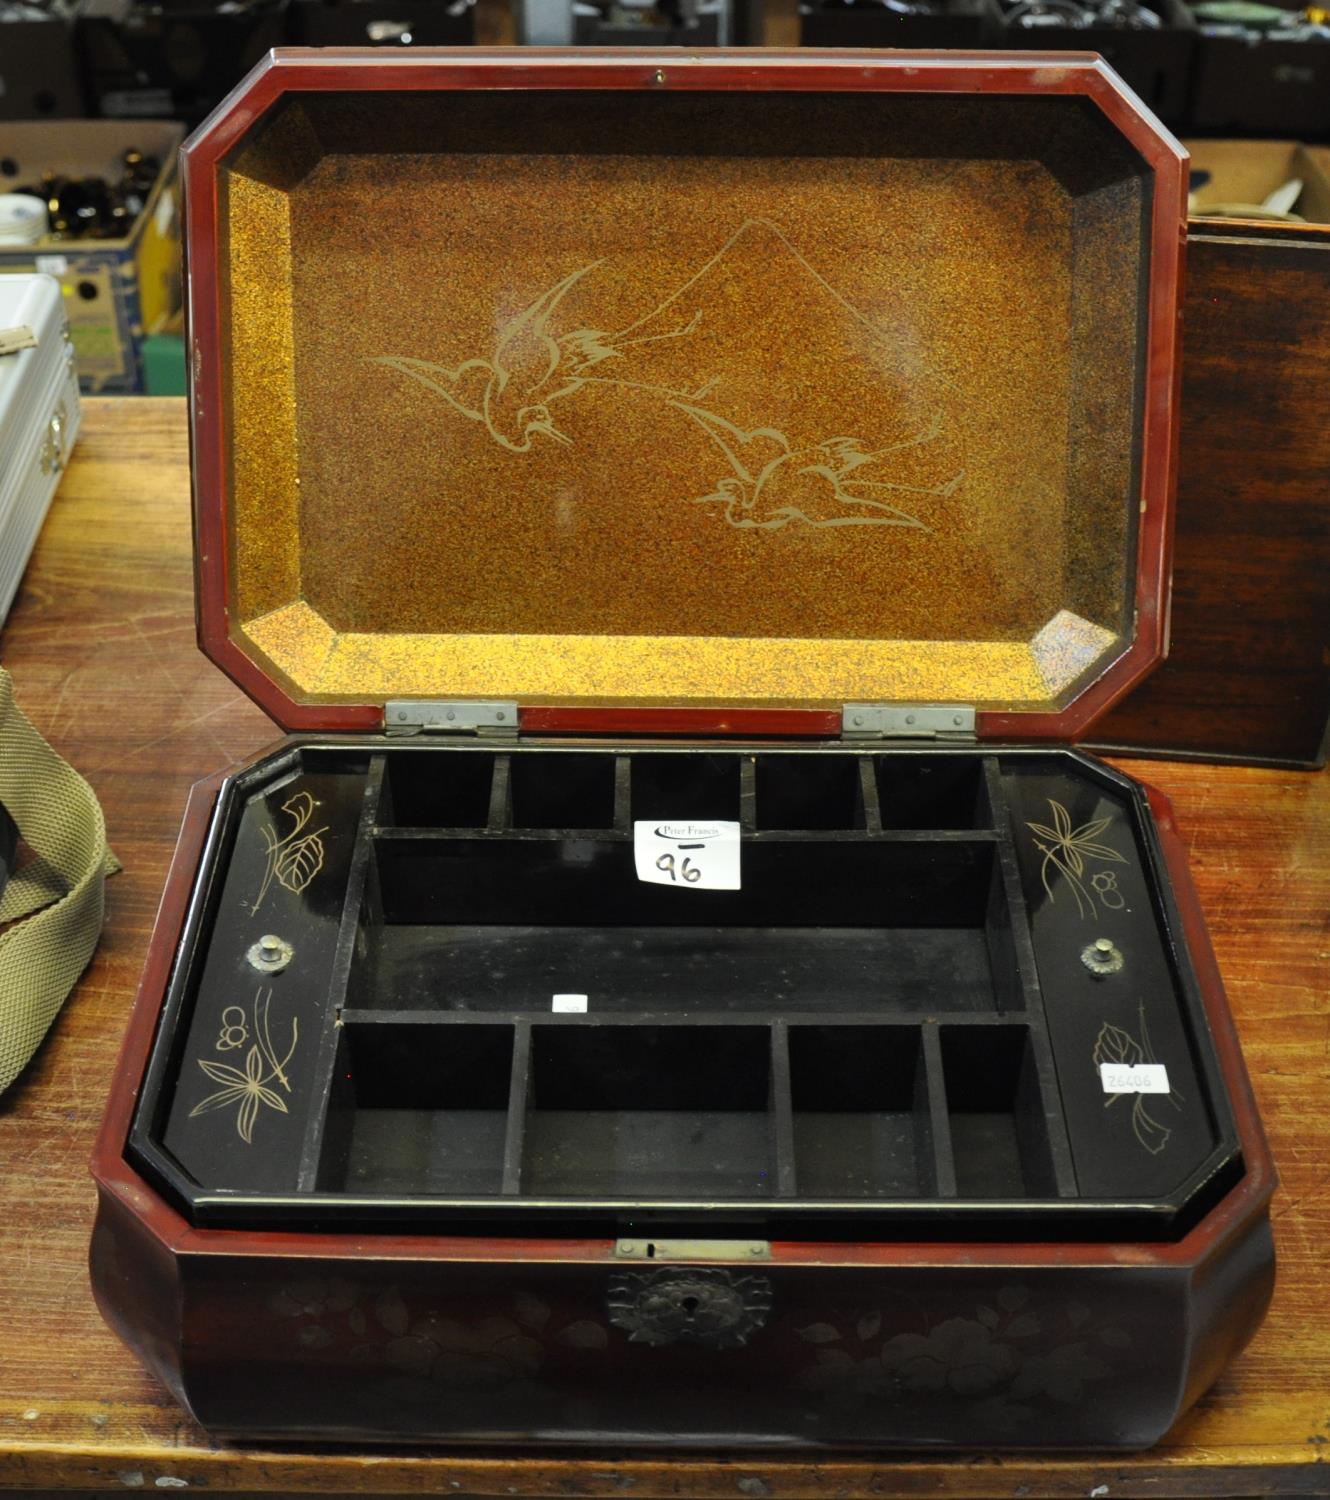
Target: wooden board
{"x":1248,"y":673}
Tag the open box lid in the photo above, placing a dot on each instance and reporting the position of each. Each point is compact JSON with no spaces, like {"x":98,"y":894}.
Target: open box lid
{"x":651,"y":390}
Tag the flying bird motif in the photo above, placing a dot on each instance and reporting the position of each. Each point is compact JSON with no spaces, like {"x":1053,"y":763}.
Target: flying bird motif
{"x":775,"y":484}
{"x":774,"y":480}
{"x":531,"y":369}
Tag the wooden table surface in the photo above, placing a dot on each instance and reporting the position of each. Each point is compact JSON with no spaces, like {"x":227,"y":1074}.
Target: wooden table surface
{"x":101,"y":647}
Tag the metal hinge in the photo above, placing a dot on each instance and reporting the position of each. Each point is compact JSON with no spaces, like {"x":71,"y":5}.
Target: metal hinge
{"x":907,"y":721}
{"x":450,"y":716}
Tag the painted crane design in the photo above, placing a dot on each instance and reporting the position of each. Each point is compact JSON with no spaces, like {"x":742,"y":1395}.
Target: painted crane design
{"x":775,"y":479}
{"x":775,"y":483}
{"x":531,"y":370}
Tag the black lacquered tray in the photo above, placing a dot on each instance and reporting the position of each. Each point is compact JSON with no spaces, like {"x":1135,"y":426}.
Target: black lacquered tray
{"x":894,"y":1028}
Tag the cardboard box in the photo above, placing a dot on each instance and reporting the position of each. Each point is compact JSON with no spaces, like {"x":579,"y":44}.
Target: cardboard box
{"x":1248,"y":171}
{"x":114,"y":290}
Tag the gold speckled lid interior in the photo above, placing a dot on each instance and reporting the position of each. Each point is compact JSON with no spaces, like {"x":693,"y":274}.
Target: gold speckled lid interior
{"x":703,"y":398}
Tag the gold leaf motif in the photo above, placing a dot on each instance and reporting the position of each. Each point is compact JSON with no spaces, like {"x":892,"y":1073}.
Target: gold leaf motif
{"x":1151,"y":1134}
{"x":300,"y":862}
{"x":295,"y":859}
{"x":1118,"y":1047}
{"x":1114,"y":1045}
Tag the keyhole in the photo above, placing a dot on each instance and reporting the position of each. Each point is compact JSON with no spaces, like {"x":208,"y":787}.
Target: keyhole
{"x":690,"y":1305}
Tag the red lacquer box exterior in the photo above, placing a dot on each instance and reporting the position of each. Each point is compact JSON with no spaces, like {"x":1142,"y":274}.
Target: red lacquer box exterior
{"x":841,"y":1161}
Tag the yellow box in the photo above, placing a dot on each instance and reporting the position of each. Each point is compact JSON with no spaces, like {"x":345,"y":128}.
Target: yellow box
{"x":1246,"y":172}
{"x":115,"y":290}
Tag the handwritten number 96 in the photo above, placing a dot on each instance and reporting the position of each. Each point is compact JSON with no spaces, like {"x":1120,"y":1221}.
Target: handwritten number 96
{"x":687,"y":870}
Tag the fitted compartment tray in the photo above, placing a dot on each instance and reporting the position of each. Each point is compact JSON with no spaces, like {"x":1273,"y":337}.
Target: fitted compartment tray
{"x":475,"y":1012}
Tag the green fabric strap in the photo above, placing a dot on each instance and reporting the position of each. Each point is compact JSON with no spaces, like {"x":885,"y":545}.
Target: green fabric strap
{"x":59,"y":892}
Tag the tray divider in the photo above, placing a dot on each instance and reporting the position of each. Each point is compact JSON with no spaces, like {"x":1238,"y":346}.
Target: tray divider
{"x":325,"y":1057}
{"x":1002,"y":933}
{"x":747,"y":797}
{"x":935,"y":1151}
{"x":501,"y":796}
{"x":1022,"y":941}
{"x":885,"y":835}
{"x":868,"y":791}
{"x":782,"y":1111}
{"x":1008,"y":894}
{"x":519,"y":1095}
{"x":1027,"y":971}
{"x":623,"y":795}
{"x":385,"y":811}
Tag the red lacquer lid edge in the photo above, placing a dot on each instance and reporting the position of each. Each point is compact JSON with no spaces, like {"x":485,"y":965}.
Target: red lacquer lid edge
{"x":338,"y":69}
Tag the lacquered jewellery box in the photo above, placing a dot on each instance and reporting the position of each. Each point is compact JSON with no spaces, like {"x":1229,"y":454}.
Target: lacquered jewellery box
{"x":677,"y":984}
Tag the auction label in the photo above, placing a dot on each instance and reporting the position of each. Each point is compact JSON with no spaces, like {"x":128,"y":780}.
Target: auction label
{"x":700,"y":856}
{"x":1142,"y":1078}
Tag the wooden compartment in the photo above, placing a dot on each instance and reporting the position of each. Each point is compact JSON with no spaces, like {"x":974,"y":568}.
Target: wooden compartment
{"x":834,"y":914}
{"x":892,"y":1011}
{"x":567,"y":790}
{"x":698,"y":784}
{"x":861,"y":1113}
{"x":798,"y":791}
{"x":422,"y":793}
{"x":995,"y":1113}
{"x":418,"y":1109}
{"x":930,"y":791}
{"x":482,"y":925}
{"x":649,"y":1113}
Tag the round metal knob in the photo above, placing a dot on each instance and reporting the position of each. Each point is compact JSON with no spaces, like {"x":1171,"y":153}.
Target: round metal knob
{"x":1102,"y":957}
{"x":270,"y":954}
